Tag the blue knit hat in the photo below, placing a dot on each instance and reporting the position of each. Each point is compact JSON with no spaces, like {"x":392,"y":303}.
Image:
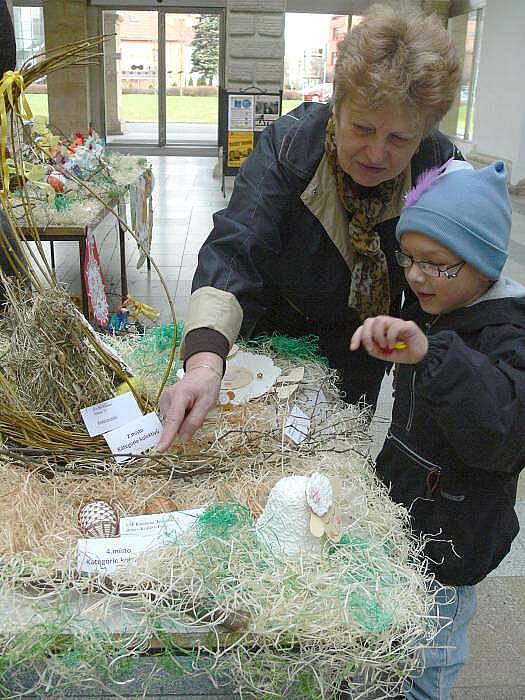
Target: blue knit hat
{"x":466,"y":210}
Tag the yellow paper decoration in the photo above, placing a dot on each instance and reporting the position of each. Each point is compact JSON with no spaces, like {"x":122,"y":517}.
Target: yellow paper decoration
{"x":11,"y":81}
{"x":138,"y":309}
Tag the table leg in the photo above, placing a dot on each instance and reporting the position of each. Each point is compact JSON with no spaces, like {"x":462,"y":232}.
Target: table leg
{"x":52,"y":251}
{"x":123,"y":276}
{"x":150,"y":230}
{"x":85,"y":300}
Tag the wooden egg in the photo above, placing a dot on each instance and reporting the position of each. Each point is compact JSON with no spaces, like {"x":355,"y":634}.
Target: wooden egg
{"x":160,"y":504}
{"x":98,"y":519}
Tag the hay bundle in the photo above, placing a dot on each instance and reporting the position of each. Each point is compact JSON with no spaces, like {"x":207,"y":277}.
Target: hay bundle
{"x":51,"y":367}
{"x":48,"y":370}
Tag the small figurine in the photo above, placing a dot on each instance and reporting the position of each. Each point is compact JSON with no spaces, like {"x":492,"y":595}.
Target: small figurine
{"x":117,"y":322}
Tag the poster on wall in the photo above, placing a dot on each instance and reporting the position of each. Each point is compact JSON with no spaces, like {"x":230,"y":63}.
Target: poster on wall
{"x":266,"y":110}
{"x":240,"y":112}
{"x":240,"y":145}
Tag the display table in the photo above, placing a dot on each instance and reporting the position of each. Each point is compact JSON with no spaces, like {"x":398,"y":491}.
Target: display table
{"x":134,"y":185}
{"x":55,"y":234}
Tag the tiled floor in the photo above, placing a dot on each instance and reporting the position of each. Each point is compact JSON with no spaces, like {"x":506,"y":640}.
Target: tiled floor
{"x":185,"y":196}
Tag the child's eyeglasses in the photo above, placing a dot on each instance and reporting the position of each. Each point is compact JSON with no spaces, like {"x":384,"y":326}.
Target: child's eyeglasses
{"x":429,"y":268}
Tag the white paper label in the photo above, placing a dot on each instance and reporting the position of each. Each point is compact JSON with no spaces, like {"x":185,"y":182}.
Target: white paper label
{"x":135,"y":437}
{"x":106,"y":554}
{"x":316,"y":403}
{"x":165,"y":525}
{"x":297,"y":425}
{"x":110,"y":414}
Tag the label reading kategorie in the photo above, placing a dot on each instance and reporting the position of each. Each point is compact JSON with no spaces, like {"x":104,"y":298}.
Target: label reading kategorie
{"x":135,"y":437}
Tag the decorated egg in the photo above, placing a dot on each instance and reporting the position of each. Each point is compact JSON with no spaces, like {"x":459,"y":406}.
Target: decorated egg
{"x":160,"y":504}
{"x":98,"y":519}
{"x":56,"y":180}
{"x":125,"y":386}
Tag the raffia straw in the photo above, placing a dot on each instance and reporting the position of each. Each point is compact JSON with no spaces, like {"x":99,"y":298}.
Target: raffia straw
{"x":294,"y":619}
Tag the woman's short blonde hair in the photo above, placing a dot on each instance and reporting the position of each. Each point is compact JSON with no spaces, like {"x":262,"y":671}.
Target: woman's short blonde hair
{"x":398,"y":55}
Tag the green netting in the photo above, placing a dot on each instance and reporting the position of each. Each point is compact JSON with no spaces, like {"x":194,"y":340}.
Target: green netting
{"x":371,"y":572}
{"x":160,"y":338}
{"x":154,"y":347}
{"x":305,"y":348}
{"x":221,"y":518}
{"x":367,"y":610}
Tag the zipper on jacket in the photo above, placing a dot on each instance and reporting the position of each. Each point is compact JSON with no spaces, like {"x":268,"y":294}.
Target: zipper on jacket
{"x":433,"y":477}
{"x":412,"y":403}
{"x":425,"y":463}
{"x":297,"y":309}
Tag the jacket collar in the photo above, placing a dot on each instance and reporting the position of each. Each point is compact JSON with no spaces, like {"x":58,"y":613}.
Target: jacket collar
{"x":321,"y":198}
{"x":488,"y":310}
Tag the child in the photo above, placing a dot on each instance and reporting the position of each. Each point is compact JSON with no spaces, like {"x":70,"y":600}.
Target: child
{"x":456,"y":444}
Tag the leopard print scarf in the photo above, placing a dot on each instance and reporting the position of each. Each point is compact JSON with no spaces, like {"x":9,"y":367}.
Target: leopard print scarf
{"x":370,"y":286}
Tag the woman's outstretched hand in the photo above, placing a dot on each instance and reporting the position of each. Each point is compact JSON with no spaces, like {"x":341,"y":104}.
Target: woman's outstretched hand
{"x":392,"y":339}
{"x":185,"y":405}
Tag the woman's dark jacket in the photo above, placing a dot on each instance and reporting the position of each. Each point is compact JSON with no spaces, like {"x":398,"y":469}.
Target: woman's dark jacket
{"x":7,"y":62}
{"x":7,"y":40}
{"x":457,"y":440}
{"x":279,"y":261}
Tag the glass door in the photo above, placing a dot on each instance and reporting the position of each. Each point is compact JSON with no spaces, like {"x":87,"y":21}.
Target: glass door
{"x":192,"y":54}
{"x":161,"y":77}
{"x":131,"y":76}
{"x":28,"y":23}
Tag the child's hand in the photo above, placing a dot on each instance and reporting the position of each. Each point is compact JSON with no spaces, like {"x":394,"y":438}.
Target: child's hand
{"x":388,"y":338}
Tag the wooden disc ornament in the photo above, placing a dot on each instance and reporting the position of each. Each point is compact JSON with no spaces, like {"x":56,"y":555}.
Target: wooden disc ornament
{"x":248,"y":376}
{"x":98,"y":519}
{"x":236,"y":378}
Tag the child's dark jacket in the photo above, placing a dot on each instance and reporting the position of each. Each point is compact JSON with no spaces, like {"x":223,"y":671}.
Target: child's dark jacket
{"x":457,"y":440}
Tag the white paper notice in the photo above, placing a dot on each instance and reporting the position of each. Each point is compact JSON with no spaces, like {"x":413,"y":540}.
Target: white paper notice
{"x":165,"y":525}
{"x":105,"y":554}
{"x":297,"y":425}
{"x":135,"y":437}
{"x":110,"y":414}
{"x":240,"y":112}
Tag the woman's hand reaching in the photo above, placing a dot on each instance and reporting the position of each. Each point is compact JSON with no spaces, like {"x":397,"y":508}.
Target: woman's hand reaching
{"x":185,"y":405}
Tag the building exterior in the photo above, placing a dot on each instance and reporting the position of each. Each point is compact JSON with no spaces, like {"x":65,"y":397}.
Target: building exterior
{"x":336,"y":31}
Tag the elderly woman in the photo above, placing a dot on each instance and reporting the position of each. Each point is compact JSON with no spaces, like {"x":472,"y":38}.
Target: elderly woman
{"x":306,"y":244}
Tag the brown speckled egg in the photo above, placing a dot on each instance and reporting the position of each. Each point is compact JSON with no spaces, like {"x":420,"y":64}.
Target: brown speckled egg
{"x":160,"y":504}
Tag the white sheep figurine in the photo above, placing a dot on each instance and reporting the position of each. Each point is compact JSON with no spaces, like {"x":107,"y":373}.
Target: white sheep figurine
{"x":299,"y":511}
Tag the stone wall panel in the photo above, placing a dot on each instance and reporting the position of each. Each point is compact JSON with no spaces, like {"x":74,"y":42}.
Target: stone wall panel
{"x":257,"y":47}
{"x":255,"y":44}
{"x":256,"y":5}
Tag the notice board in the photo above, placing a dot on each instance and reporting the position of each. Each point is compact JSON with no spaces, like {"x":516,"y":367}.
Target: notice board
{"x":243,"y":115}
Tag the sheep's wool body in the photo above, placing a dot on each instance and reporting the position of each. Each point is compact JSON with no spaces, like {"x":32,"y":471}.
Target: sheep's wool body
{"x":284,"y":524}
